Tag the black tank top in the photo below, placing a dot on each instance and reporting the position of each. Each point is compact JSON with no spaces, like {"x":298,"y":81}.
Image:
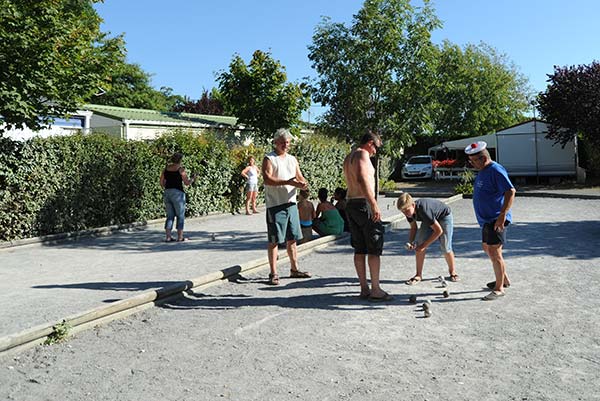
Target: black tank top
{"x":173,"y":180}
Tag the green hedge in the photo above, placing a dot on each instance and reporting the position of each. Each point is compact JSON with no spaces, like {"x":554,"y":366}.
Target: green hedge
{"x":70,"y":183}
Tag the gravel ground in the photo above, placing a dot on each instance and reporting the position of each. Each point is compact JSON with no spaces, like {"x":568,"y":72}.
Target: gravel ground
{"x":314,"y":339}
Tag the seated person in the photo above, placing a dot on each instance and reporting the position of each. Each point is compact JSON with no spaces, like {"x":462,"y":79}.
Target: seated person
{"x":329,"y":221}
{"x":339,"y":195}
{"x":306,"y":212}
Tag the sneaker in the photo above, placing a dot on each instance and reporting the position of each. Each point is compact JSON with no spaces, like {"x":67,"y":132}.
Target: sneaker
{"x":492,"y":296}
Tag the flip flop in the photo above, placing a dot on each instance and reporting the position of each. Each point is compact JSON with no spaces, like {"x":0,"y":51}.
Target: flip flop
{"x":364,"y":296}
{"x":183,"y":239}
{"x":386,"y":297}
{"x":454,"y":278}
{"x":414,"y":280}
{"x":170,"y":240}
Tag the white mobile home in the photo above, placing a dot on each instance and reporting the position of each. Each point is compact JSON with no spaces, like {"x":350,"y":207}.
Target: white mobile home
{"x":524,"y":150}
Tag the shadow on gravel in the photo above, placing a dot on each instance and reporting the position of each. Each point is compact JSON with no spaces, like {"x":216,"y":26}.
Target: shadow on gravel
{"x":113,"y":286}
{"x":561,"y":239}
{"x":339,"y":293}
{"x":141,"y":241}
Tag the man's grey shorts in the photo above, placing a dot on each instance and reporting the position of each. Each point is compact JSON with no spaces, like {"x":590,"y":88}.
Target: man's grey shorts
{"x":445,"y":239}
{"x":283,"y":223}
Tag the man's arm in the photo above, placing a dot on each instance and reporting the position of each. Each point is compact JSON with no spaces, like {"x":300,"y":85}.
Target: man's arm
{"x":300,"y":178}
{"x":437,"y":231}
{"x":270,"y":179}
{"x":412,"y":233}
{"x":509,"y":197}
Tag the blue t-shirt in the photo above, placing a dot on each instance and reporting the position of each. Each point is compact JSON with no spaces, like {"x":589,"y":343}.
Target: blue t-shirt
{"x":488,"y":193}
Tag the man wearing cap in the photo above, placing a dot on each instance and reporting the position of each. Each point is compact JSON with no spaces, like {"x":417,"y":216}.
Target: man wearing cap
{"x":493,"y":196}
{"x":282,"y":175}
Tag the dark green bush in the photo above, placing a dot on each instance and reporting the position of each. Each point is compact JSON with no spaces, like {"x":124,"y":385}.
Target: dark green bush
{"x":70,"y":183}
{"x":321,"y":159}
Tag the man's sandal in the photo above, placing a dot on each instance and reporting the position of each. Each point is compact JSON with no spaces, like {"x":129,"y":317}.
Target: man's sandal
{"x":273,"y":279}
{"x":414,"y":280}
{"x":299,"y":274}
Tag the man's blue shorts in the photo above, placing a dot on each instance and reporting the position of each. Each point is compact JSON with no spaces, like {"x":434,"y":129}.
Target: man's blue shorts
{"x":283,"y":223}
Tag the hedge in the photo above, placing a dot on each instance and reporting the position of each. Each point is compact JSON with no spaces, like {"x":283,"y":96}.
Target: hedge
{"x":70,"y":183}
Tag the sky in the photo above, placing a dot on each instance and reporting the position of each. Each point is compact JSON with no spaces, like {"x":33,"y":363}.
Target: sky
{"x":183,"y":44}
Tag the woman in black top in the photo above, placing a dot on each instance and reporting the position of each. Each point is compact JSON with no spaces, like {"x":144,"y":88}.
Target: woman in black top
{"x":171,"y":180}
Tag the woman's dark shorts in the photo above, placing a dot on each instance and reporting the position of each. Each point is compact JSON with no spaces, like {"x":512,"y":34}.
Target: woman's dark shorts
{"x":492,"y":237}
{"x":366,"y":234}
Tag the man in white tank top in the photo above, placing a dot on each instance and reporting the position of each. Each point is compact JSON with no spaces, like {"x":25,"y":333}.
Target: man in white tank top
{"x":282,"y":175}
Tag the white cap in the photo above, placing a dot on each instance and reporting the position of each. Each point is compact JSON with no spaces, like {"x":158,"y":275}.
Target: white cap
{"x":475,"y":147}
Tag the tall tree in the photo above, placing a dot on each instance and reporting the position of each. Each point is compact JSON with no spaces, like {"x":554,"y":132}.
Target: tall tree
{"x":209,"y":103}
{"x":259,"y":95}
{"x":52,"y":57}
{"x":128,"y":85}
{"x":571,"y":103}
{"x":476,"y":91}
{"x":377,"y":72}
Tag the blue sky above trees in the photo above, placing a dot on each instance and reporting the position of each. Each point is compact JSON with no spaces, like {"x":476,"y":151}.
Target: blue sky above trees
{"x":184,"y":43}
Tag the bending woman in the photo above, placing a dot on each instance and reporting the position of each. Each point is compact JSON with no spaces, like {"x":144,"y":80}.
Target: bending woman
{"x":171,"y":180}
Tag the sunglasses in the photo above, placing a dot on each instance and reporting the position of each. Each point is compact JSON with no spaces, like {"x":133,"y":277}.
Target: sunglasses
{"x":477,"y":158}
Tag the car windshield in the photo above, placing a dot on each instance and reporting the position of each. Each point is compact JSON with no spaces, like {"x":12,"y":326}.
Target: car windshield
{"x":419,"y":160}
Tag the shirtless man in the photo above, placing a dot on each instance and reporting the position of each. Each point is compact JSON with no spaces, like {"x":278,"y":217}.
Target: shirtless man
{"x":364,"y":216}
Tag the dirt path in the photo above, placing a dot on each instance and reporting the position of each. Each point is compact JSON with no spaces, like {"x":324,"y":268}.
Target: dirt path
{"x":313,"y":339}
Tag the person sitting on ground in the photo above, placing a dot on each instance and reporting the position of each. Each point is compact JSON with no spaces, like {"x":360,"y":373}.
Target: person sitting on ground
{"x":436,"y":224}
{"x":306,"y":210}
{"x":339,"y":195}
{"x":172,"y":179}
{"x":329,"y":221}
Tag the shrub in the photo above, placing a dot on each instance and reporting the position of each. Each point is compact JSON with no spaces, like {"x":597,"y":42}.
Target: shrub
{"x":465,"y":186}
{"x":321,"y":160}
{"x":70,"y":183}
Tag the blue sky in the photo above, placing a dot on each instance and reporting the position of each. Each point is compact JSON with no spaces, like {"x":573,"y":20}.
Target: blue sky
{"x":183,"y":43}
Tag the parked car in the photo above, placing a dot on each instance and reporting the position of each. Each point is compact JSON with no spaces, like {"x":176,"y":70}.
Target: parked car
{"x":418,"y":167}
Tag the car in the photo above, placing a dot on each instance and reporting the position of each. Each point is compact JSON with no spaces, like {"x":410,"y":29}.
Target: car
{"x":418,"y":167}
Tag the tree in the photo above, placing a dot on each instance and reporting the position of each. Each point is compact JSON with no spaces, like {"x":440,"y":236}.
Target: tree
{"x":52,"y":57}
{"x":209,"y":103}
{"x":128,"y":85}
{"x":571,"y":103}
{"x":377,"y":72}
{"x":476,"y":91}
{"x":260,"y":96}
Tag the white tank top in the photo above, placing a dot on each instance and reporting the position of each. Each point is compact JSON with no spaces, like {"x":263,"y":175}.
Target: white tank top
{"x":284,"y":168}
{"x":252,"y":175}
